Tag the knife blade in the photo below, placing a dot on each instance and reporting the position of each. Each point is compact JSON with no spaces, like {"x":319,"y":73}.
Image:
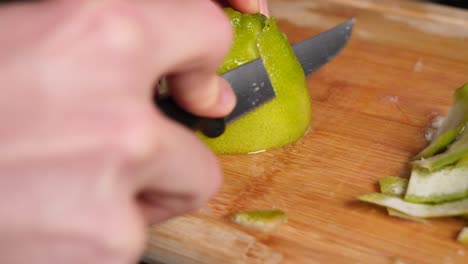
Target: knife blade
{"x":252,"y":86}
{"x":316,"y":51}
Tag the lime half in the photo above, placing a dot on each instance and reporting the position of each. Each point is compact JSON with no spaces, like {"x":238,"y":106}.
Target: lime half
{"x":284,"y":119}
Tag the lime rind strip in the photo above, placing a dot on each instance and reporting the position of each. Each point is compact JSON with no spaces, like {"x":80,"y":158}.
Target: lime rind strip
{"x":440,"y":143}
{"x":396,"y":186}
{"x":398,"y":214}
{"x":463,"y":161}
{"x":265,"y":220}
{"x":391,"y":185}
{"x":454,"y":153}
{"x":448,"y":184}
{"x":463,"y":236}
{"x":455,"y":208}
{"x":452,"y":125}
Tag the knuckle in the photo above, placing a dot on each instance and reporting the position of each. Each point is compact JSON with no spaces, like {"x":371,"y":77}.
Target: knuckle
{"x":135,"y":138}
{"x":118,"y":27}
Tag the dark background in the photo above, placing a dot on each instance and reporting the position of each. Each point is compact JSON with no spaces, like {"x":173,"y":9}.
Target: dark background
{"x":456,"y":3}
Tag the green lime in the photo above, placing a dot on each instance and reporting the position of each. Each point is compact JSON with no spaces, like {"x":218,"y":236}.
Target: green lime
{"x":284,"y":119}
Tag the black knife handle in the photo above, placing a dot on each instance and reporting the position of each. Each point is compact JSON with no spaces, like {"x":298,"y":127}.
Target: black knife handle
{"x":210,"y":127}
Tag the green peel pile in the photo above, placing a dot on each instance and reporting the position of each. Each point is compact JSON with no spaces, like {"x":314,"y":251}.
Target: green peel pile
{"x":438,"y":185}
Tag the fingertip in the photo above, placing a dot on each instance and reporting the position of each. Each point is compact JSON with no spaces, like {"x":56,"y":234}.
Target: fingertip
{"x":246,"y":6}
{"x":251,"y":6}
{"x":210,"y":98}
{"x":220,"y":105}
{"x":226,"y":99}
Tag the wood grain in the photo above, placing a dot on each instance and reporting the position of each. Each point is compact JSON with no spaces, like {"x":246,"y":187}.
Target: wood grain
{"x":371,"y":107}
{"x":213,"y":241}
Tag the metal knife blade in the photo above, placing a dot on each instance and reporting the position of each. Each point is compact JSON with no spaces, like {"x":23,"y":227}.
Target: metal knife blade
{"x":315,"y":52}
{"x":252,"y":86}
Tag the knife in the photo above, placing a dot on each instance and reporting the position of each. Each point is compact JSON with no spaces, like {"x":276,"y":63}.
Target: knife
{"x":252,"y":86}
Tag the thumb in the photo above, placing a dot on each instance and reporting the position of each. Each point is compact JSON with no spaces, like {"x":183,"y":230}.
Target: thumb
{"x":214,"y":98}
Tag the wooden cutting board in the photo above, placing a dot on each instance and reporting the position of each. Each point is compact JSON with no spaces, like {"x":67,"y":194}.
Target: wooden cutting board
{"x":371,"y":107}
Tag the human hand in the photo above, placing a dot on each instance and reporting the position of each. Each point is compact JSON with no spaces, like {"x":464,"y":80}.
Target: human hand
{"x":86,"y":159}
{"x":250,"y":6}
